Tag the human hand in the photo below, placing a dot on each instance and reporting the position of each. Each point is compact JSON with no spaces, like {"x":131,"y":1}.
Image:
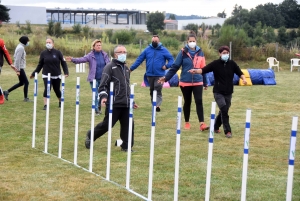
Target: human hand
{"x":164,"y":67}
{"x":68,"y":58}
{"x":13,"y":67}
{"x":297,"y":54}
{"x":205,"y":87}
{"x":103,"y":101}
{"x":161,"y":80}
{"x":66,"y":75}
{"x":244,"y":82}
{"x":194,"y":71}
{"x":31,"y":76}
{"x":18,"y":73}
{"x":135,"y":106}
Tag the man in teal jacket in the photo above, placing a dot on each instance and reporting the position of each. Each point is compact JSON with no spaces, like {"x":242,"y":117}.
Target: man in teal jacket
{"x":156,"y":56}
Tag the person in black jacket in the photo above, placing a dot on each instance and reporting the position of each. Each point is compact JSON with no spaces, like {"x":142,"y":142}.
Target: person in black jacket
{"x":224,"y":70}
{"x":50,"y":61}
{"x":117,"y":72}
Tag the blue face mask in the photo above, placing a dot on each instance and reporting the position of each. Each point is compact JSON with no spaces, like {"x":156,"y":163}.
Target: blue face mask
{"x":27,"y":44}
{"x":225,"y":57}
{"x":122,"y":57}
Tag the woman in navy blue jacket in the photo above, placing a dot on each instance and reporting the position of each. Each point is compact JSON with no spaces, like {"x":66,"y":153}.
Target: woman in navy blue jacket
{"x":190,"y":57}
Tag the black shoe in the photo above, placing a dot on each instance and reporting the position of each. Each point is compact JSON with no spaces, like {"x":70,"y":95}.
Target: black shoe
{"x":45,"y":107}
{"x":27,"y":100}
{"x":88,"y":140}
{"x":5,"y":93}
{"x":97,"y":112}
{"x":59,"y":104}
{"x":157,"y":109}
{"x":125,"y":150}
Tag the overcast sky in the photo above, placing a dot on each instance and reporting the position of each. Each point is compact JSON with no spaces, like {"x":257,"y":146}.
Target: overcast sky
{"x":178,"y":7}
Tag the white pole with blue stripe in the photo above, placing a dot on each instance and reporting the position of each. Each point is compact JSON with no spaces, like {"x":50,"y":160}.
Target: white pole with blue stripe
{"x":246,"y":151}
{"x":177,"y":157}
{"x":34,"y":109}
{"x":289,"y":188}
{"x":76,"y":119}
{"x":129,"y":136}
{"x":92,"y":126}
{"x":111,"y":98}
{"x":210,"y":150}
{"x":62,"y":101}
{"x":152,"y":144}
{"x":47,"y":112}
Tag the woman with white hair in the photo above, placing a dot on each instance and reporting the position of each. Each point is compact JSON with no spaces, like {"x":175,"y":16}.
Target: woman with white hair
{"x":97,"y":59}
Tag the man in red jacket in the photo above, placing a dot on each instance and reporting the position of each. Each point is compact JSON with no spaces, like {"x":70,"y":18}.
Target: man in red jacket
{"x":4,"y":53}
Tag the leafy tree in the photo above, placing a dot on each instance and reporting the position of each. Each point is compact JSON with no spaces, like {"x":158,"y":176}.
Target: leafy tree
{"x":50,"y":29}
{"x":4,"y":15}
{"x":193,"y":27}
{"x":269,"y":35}
{"x":28,"y":27}
{"x":248,"y":29}
{"x":282,"y":36}
{"x":258,"y":31}
{"x":58,"y":32}
{"x":290,"y":10}
{"x":76,"y":28}
{"x":217,"y":27}
{"x":292,"y":35}
{"x":222,"y":15}
{"x":86,"y":30}
{"x":122,"y":37}
{"x":236,"y":10}
{"x":155,"y":22}
{"x":172,"y":17}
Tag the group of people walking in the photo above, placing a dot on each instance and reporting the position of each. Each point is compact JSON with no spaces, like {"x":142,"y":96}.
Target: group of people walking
{"x":160,"y":68}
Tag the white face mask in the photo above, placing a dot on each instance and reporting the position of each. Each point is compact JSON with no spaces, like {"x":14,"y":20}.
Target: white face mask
{"x":122,"y":57}
{"x":27,"y":44}
{"x":225,"y":57}
{"x":49,"y":46}
{"x":192,"y":44}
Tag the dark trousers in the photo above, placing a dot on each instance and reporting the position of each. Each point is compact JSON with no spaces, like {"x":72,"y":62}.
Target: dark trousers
{"x":121,"y":115}
{"x":224,"y":103}
{"x":22,"y":81}
{"x":56,"y":87}
{"x":154,"y":85}
{"x":187,"y":96}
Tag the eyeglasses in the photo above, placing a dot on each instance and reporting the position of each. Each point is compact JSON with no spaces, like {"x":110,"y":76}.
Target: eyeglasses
{"x":121,"y":52}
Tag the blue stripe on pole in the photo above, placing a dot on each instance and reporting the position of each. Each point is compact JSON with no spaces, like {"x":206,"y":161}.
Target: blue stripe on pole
{"x":48,"y":82}
{"x":110,"y":111}
{"x":94,"y":90}
{"x":211,"y":140}
{"x":111,"y":93}
{"x":77,"y":102}
{"x":212,"y":116}
{"x":179,"y":109}
{"x":154,"y":103}
{"x":294,"y":133}
{"x":93,"y":106}
{"x":153,"y":123}
{"x":131,"y":96}
{"x":246,"y":151}
{"x":178,"y":132}
{"x":48,"y":96}
{"x":77,"y":86}
{"x":63,"y":84}
{"x":247,"y":124}
{"x":291,"y":162}
{"x":62,"y":99}
{"x":130,"y":115}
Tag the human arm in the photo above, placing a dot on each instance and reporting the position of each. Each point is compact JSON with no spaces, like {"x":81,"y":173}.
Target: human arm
{"x":139,"y":60}
{"x":6,"y":53}
{"x":18,"y":56}
{"x":104,"y":87}
{"x":244,"y":79}
{"x":84,"y":59}
{"x":64,"y":64}
{"x":297,"y":54}
{"x":169,"y":58}
{"x":172,"y":70}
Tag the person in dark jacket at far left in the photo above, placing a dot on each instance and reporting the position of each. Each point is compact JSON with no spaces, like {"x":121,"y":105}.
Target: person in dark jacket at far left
{"x":117,"y":72}
{"x":50,"y":61}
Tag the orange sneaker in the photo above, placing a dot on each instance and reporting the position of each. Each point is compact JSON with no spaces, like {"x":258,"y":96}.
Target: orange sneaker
{"x":203,"y":127}
{"x":187,"y":126}
{"x":1,"y":99}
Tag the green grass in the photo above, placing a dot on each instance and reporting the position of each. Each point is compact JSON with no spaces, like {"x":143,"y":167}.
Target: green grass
{"x":30,"y":174}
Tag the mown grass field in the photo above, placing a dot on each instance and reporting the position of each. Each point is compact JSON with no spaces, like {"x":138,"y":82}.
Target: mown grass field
{"x":30,"y":174}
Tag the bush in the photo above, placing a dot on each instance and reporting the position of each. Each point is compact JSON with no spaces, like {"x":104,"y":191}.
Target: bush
{"x":76,"y":28}
{"x":170,"y":43}
{"x":122,"y":37}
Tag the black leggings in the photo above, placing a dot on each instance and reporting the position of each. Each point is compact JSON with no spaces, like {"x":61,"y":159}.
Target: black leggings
{"x":56,"y":87}
{"x":187,"y":96}
{"x":22,"y":81}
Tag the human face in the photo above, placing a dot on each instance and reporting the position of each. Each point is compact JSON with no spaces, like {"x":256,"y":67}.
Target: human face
{"x":192,"y":42}
{"x":120,"y":50}
{"x":98,"y":47}
{"x":224,"y":52}
{"x":155,"y":39}
{"x":49,"y":41}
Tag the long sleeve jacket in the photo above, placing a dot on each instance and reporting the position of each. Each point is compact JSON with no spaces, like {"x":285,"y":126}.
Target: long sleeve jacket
{"x":90,"y":57}
{"x":50,"y":61}
{"x":223,"y":74}
{"x":4,"y":53}
{"x":20,"y":57}
{"x":118,"y":73}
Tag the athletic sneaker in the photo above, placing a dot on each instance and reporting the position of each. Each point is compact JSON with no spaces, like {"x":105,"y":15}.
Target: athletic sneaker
{"x":126,"y":150}
{"x":217,"y":131}
{"x":1,"y":99}
{"x":45,"y":107}
{"x":27,"y":100}
{"x":88,"y":140}
{"x":157,"y":109}
{"x":228,"y":135}
{"x":6,"y":95}
{"x":97,"y":112}
{"x":203,"y":127}
{"x":187,"y":126}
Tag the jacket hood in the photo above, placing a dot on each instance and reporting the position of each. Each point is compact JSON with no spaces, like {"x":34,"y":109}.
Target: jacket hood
{"x":189,"y":49}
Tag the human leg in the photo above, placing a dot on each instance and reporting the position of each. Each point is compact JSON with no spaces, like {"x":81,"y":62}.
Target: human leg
{"x":22,"y":79}
{"x":197,"y":92}
{"x":224,"y":102}
{"x":45,"y":94}
{"x":124,"y":128}
{"x":187,"y":97}
{"x":151,"y":85}
{"x":158,"y":87}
